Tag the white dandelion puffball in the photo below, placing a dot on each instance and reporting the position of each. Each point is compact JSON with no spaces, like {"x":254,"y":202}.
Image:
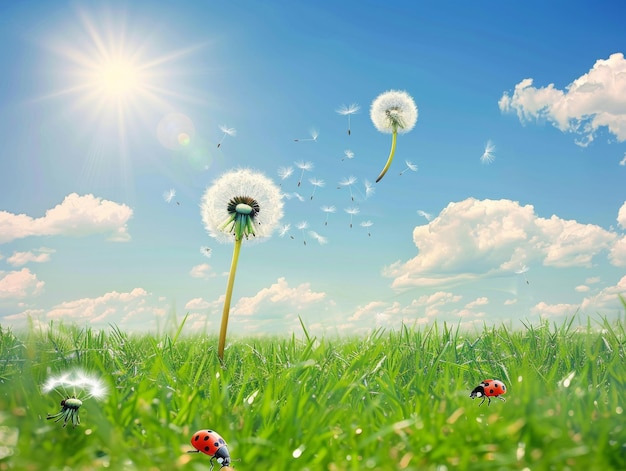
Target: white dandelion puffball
{"x":242,"y":184}
{"x":394,"y":111}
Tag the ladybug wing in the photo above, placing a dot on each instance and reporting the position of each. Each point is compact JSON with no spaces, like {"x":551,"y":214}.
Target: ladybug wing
{"x":206,"y":441}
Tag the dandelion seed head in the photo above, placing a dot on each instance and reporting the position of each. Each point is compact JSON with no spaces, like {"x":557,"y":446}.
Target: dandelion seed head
{"x":302,"y":225}
{"x":328,"y":209}
{"x":347,"y":110}
{"x":366,"y":224}
{"x":317,"y":182}
{"x":236,"y":186}
{"x":394,"y":110}
{"x":77,"y":382}
{"x":352,"y":210}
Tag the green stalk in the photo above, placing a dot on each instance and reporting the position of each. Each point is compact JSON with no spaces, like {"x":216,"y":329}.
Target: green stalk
{"x":394,"y":138}
{"x":229,"y":295}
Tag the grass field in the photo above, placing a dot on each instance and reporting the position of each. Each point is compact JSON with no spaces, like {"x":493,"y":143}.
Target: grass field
{"x":392,"y":400}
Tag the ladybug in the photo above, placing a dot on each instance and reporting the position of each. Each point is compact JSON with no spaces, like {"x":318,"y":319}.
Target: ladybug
{"x":211,"y":443}
{"x":487,"y":389}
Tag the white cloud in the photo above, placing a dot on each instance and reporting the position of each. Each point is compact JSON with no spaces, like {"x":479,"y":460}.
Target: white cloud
{"x":607,"y":301}
{"x":75,"y":216}
{"x":266,"y":300}
{"x":477,"y":238}
{"x":482,"y":301}
{"x":594,"y":100}
{"x":133,"y":309}
{"x":545,"y":310}
{"x":40,"y":255}
{"x":201,"y":271}
{"x":19,"y":284}
{"x":197,"y":303}
{"x":582,"y":288}
{"x":621,"y":216}
{"x":617,"y":256}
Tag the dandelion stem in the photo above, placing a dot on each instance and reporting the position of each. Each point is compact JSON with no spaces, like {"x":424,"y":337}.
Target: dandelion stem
{"x":394,"y":138}
{"x":229,"y":295}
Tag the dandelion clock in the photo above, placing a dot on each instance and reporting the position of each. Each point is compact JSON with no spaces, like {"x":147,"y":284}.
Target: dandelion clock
{"x":241,"y":204}
{"x":393,"y":112}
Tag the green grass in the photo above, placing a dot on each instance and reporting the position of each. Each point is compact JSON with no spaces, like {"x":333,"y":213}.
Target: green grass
{"x":392,"y":400}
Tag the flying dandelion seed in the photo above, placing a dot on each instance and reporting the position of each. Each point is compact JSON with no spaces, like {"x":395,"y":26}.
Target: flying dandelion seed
{"x":352,"y":212}
{"x":321,"y":239}
{"x":349,"y":181}
{"x":314,"y":136}
{"x":297,"y":196}
{"x":328,"y":210}
{"x":316,"y":184}
{"x":168,"y":195}
{"x":348,"y":111}
{"x":393,"y":112}
{"x":488,"y":155}
{"x":425,"y":215}
{"x":348,"y":155}
{"x":369,"y":188}
{"x":302,"y":226}
{"x":74,"y":387}
{"x":240,"y":204}
{"x":367,"y":225}
{"x":305,"y":167}
{"x":206,"y":251}
{"x":232,"y":132}
{"x":285,"y":172}
{"x":284,"y":230}
{"x":522,"y":271}
{"x":409,"y":166}
{"x":623,"y":161}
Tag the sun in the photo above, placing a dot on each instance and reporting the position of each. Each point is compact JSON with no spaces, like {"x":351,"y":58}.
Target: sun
{"x":111,"y":79}
{"x":113,"y":70}
{"x":117,"y":78}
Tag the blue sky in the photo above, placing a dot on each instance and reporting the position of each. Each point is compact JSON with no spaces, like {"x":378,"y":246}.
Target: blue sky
{"x":97,"y":100}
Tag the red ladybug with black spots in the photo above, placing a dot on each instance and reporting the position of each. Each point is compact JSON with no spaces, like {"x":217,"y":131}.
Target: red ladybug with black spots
{"x":211,"y":443}
{"x":487,"y":389}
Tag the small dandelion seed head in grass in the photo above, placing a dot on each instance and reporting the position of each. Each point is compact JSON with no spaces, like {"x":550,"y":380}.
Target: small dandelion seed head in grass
{"x":394,"y":111}
{"x":77,"y":383}
{"x":488,"y":154}
{"x":241,"y":203}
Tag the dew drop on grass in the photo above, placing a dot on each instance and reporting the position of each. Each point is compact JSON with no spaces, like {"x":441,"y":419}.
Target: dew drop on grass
{"x":619,"y":410}
{"x":297,"y":453}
